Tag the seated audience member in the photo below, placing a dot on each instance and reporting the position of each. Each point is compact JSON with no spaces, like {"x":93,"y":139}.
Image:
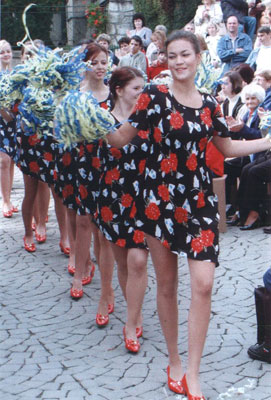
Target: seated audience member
{"x":159,"y":65}
{"x":260,"y":58}
{"x":231,"y":87}
{"x":159,"y":40}
{"x":104,"y":40}
{"x":190,"y":27}
{"x":262,"y":349}
{"x":124,"y":47}
{"x":252,"y":192}
{"x":207,"y":11}
{"x":212,"y":40}
{"x":152,"y":46}
{"x":140,"y":30}
{"x":263,"y":78}
{"x":248,"y":128}
{"x":239,"y":8}
{"x":135,"y":58}
{"x":234,"y":47}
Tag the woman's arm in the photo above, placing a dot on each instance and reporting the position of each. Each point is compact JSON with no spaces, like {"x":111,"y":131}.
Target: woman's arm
{"x":240,"y":148}
{"x":122,"y":136}
{"x":6,"y":115}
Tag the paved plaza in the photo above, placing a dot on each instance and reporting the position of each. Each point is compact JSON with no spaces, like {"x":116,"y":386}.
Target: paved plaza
{"x":51,"y":348}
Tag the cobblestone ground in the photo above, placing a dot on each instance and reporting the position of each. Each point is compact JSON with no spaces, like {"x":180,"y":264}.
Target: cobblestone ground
{"x":50,"y":347}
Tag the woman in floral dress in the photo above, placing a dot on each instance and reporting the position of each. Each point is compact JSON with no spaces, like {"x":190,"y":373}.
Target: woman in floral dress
{"x":176,"y":207}
{"x":119,"y":185}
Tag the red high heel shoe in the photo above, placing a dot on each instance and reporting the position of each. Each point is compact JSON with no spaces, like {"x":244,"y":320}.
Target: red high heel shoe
{"x":174,"y":386}
{"x":76,"y":294}
{"x":7,"y":214}
{"x":40,"y":238}
{"x":88,"y":279}
{"x":187,"y":393}
{"x":71,"y":269}
{"x":139,"y":332}
{"x":102,"y":320}
{"x":65,"y":250}
{"x":111,"y":308}
{"x":131,"y":345}
{"x":29,"y":247}
{"x":15,"y":209}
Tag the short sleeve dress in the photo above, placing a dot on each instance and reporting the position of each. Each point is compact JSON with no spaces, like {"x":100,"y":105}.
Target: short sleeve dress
{"x":119,"y":186}
{"x":176,"y":202}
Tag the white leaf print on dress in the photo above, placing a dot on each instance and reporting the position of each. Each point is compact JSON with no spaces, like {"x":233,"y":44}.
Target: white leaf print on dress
{"x":177,"y":144}
{"x":208,"y":220}
{"x":186,"y":206}
{"x":157,"y":231}
{"x":152,"y":174}
{"x":116,"y":228}
{"x":169,"y":225}
{"x":82,"y":173}
{"x":196,"y":182}
{"x":181,"y":188}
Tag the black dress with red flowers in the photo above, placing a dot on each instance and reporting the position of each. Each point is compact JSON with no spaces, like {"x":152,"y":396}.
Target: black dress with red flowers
{"x":78,"y":171}
{"x":119,"y":185}
{"x":176,"y":203}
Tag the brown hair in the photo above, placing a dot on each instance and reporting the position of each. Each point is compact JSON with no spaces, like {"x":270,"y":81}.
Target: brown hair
{"x":235,"y":80}
{"x":121,"y":77}
{"x":92,"y":50}
{"x":266,"y":74}
{"x":184,"y":35}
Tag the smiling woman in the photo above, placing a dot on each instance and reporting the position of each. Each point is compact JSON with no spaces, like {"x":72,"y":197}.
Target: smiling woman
{"x":175,"y":206}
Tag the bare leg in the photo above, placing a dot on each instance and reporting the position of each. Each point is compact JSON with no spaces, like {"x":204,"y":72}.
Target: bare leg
{"x":165,"y":264}
{"x":82,"y":248}
{"x":202,"y":277}
{"x":6,"y":180}
{"x":71,"y":224}
{"x":41,"y":207}
{"x":106,"y":266}
{"x":252,"y":217}
{"x":61,"y":215}
{"x":121,"y":255}
{"x":135,"y":289}
{"x":30,"y":192}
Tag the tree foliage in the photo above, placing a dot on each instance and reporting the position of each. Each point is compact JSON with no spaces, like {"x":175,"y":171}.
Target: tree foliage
{"x":172,"y":13}
{"x":39,"y":19}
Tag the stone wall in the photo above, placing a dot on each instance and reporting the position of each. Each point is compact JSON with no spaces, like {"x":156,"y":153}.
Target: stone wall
{"x":120,"y":14}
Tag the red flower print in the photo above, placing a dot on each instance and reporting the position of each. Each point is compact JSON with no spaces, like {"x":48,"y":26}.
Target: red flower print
{"x":201,"y":201}
{"x":176,"y":120}
{"x":55,"y":176}
{"x":96,"y":162}
{"x":34,"y":167}
{"x":48,"y":156}
{"x":121,"y":242}
{"x":141,"y":166}
{"x":142,"y":102}
{"x":166,"y":165}
{"x":157,"y":135}
{"x":138,"y":236}
{"x":89,"y":148}
{"x":106,"y":214}
{"x":218,"y":111}
{"x":192,"y":162}
{"x":33,"y":140}
{"x":116,"y":153}
{"x":197,"y":245}
{"x":83,"y":191}
{"x":108,"y":178}
{"x":143,"y":134}
{"x":115,"y":174}
{"x":66,"y":159}
{"x":181,"y":215}
{"x":162,"y":88}
{"x":166,"y":244}
{"x":163,"y":192}
{"x":202,"y":143}
{"x":205,"y":116}
{"x":133,"y":211}
{"x":78,"y":200}
{"x":152,"y":211}
{"x":169,"y":164}
{"x":67,"y":191}
{"x":104,"y":105}
{"x":81,"y":151}
{"x":207,"y":238}
{"x":126,"y":200}
{"x":174,"y":161}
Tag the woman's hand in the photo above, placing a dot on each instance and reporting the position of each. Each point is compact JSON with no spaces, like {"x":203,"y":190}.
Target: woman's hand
{"x":233,"y":124}
{"x":261,"y":112}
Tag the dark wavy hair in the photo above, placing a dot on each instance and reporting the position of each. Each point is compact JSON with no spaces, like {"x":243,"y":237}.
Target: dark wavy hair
{"x":235,"y":80}
{"x":139,"y":16}
{"x":184,"y":35}
{"x":121,"y":77}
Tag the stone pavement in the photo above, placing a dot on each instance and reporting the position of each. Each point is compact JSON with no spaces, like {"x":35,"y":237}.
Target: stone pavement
{"x":50,"y":347}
